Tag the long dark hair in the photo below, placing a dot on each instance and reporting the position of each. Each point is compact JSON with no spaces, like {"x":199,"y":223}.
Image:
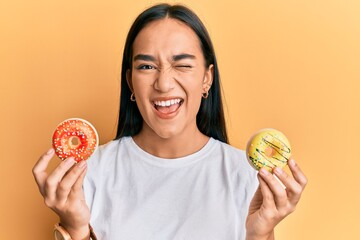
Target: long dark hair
{"x":210,"y":118}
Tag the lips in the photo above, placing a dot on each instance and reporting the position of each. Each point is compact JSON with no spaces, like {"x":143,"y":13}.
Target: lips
{"x":167,"y":108}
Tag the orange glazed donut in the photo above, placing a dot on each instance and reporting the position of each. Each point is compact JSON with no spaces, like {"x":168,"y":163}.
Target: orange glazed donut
{"x":76,"y":138}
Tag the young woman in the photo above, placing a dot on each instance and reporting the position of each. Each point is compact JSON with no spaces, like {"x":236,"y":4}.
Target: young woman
{"x":170,"y":173}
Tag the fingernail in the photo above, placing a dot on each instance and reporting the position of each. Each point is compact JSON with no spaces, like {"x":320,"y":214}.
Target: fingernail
{"x":50,"y":151}
{"x":292,"y":162}
{"x":264,"y":172}
{"x":82,"y":164}
{"x":278,"y":170}
{"x":70,"y":161}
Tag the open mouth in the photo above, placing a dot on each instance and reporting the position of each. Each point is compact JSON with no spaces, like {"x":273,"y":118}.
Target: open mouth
{"x":168,"y":106}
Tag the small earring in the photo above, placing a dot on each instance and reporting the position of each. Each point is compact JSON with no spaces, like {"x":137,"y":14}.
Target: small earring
{"x":132,"y":97}
{"x":205,"y":95}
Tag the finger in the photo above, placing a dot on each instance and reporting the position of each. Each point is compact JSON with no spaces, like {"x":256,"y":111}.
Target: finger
{"x":293,"y":188}
{"x":256,"y":201}
{"x":69,"y":181}
{"x":39,"y":169}
{"x":299,"y":176}
{"x":77,"y":191}
{"x":78,"y":186}
{"x":275,"y":187}
{"x":52,"y":182}
{"x":267,"y":195}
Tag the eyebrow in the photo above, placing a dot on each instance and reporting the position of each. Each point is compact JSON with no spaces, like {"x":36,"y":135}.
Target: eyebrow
{"x":151,"y":58}
{"x":182,"y":56}
{"x":144,"y":57}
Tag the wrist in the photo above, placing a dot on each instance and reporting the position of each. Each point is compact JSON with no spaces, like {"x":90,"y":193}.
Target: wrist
{"x":80,"y":233}
{"x":268,"y":236}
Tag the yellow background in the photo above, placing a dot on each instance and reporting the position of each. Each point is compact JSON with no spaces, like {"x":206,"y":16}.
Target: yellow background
{"x":290,"y":65}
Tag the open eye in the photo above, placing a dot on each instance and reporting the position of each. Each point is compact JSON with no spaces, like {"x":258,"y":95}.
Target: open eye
{"x":145,"y":67}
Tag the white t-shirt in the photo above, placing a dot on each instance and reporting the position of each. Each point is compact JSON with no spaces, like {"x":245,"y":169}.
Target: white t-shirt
{"x":134,"y":195}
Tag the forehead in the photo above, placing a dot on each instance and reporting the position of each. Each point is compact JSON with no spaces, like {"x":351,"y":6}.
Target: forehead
{"x":167,"y":35}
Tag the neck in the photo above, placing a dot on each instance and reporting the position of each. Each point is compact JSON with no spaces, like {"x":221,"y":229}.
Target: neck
{"x":171,"y":147}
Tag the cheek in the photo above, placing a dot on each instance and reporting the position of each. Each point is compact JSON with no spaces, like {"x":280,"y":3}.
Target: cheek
{"x":193,"y":84}
{"x":142,"y":84}
{"x":193,"y":88}
{"x":142,"y":93}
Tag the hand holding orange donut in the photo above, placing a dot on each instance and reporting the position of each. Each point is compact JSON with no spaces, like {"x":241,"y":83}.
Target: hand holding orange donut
{"x":74,"y":140}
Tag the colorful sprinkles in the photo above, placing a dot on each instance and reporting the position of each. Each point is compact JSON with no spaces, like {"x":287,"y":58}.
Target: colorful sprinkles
{"x":76,"y":138}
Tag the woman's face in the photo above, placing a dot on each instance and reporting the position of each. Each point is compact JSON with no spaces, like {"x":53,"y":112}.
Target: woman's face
{"x":168,"y":77}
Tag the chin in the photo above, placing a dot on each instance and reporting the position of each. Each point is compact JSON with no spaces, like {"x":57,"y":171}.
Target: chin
{"x":167,"y":135}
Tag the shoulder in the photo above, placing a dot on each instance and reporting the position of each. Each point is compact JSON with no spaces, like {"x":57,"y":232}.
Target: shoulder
{"x":227,"y":148}
{"x":105,"y":155}
{"x":235,"y":155}
{"x":243,"y":175}
{"x":236,"y":160}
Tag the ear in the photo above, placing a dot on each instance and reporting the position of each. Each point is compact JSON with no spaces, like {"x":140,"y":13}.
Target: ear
{"x":128,"y":80}
{"x":208,"y":78}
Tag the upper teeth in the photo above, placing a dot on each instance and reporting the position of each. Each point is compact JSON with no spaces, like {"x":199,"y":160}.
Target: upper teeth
{"x":167,"y":103}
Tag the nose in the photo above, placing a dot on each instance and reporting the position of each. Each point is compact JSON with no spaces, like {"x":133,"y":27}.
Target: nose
{"x":165,"y":80}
